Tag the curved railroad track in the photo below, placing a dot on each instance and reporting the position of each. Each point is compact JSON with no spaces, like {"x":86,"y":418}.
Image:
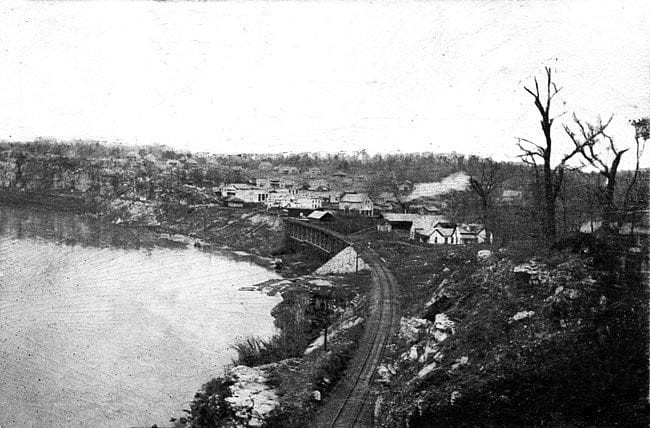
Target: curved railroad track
{"x":350,"y":403}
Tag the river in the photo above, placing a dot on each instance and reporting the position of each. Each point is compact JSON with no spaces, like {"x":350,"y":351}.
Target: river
{"x":107,"y":326}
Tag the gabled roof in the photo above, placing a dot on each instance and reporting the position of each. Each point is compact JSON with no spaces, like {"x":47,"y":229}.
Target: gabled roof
{"x":355,"y":197}
{"x":444,"y":231}
{"x":318,"y":215}
{"x":399,"y":217}
{"x":470,"y":229}
{"x":240,"y":186}
{"x":429,"y":221}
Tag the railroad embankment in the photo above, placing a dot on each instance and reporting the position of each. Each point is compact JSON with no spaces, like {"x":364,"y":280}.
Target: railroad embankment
{"x":284,"y":381}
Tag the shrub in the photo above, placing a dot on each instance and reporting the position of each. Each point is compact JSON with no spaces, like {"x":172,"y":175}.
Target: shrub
{"x":209,"y":408}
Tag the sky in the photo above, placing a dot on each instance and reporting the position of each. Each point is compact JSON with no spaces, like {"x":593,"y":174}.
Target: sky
{"x":231,"y":77}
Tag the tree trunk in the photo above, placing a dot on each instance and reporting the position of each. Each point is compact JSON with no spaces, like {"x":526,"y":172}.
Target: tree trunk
{"x":549,"y":185}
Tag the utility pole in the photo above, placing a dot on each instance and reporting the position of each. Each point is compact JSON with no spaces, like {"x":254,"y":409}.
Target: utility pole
{"x":327,"y":317}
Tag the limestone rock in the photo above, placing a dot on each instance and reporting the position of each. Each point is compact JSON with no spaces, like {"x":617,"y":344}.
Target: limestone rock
{"x":534,"y":272}
{"x":427,"y":369}
{"x":440,"y":336}
{"x":462,"y":361}
{"x":430,"y":349}
{"x":443,"y":323}
{"x":412,"y":329}
{"x":484,"y":256}
{"x":251,"y":398}
{"x":522,"y":315}
{"x":384,"y":374}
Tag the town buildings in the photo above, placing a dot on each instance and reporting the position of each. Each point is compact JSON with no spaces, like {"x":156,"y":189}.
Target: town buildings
{"x":359,"y":202}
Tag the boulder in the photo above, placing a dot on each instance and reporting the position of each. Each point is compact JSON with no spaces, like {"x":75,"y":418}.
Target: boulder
{"x":412,"y":329}
{"x":532,"y":272}
{"x":430,"y":348}
{"x":384,"y":374}
{"x":427,"y":369}
{"x":462,"y":361}
{"x":522,"y":315}
{"x":443,"y":323}
{"x":484,"y":256}
{"x":440,"y":336}
{"x":413,"y":353}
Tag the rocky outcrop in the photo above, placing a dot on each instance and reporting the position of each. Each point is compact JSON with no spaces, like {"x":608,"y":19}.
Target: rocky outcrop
{"x":251,"y":398}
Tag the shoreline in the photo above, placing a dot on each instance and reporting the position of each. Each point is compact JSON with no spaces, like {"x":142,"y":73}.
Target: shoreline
{"x":173,"y":227}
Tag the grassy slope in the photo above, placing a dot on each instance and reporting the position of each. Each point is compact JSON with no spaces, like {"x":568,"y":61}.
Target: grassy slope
{"x":579,"y":361}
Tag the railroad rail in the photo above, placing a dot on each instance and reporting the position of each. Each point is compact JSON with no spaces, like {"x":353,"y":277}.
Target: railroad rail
{"x":349,"y":404}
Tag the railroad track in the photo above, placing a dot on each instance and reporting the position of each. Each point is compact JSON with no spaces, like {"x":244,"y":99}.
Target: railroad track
{"x":350,"y":403}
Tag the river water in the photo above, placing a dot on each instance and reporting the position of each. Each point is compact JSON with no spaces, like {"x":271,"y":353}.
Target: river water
{"x":106,"y":326}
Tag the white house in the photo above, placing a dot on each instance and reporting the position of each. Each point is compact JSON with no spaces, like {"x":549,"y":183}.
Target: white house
{"x":244,"y":192}
{"x":357,"y":202}
{"x":471,"y":233}
{"x":279,"y":198}
{"x":421,"y":223}
{"x":306,"y":202}
{"x":445,"y":232}
{"x":441,"y":233}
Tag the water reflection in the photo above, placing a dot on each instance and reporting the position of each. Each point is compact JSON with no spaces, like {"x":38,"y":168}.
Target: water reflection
{"x":72,"y":229}
{"x":105,"y":326}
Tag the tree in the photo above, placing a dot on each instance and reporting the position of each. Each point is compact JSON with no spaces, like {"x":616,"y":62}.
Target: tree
{"x":598,"y":149}
{"x":486,"y":176}
{"x":550,"y":180}
{"x":588,"y":140}
{"x":641,"y":136}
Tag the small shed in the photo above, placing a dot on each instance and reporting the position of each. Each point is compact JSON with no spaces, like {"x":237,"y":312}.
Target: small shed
{"x":321,"y":216}
{"x":299,"y":212}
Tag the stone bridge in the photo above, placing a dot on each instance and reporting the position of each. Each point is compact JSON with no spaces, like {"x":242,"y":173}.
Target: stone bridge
{"x":327,"y":242}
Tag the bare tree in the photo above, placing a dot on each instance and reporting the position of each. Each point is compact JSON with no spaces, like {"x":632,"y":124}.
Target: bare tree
{"x":641,"y":136}
{"x":598,"y":149}
{"x":486,"y":176}
{"x":588,"y":140}
{"x":550,"y":178}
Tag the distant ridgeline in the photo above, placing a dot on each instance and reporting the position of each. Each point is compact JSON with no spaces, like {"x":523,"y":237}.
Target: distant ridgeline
{"x":100,"y":172}
{"x":100,"y":177}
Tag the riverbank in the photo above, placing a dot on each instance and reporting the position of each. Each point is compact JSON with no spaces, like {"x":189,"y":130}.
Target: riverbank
{"x":300,"y":378}
{"x":133,"y":323}
{"x":285,"y":380}
{"x":256,"y":234}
